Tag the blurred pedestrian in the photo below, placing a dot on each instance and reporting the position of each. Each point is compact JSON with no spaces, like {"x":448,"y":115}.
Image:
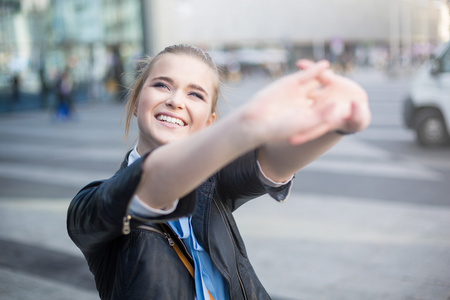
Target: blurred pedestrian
{"x":44,"y":88}
{"x":114,"y":79}
{"x":15,"y":87}
{"x":64,"y":105}
{"x":162,"y":226}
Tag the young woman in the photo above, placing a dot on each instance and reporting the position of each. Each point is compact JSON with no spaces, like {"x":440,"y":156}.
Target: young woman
{"x":162,"y":226}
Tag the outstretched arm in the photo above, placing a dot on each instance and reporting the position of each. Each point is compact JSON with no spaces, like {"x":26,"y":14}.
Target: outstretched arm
{"x":350,"y":114}
{"x":275,"y":114}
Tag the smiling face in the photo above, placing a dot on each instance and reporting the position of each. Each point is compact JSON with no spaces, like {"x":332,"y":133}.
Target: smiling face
{"x":175,"y":100}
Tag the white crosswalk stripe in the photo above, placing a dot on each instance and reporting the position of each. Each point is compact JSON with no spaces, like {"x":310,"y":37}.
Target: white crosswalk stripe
{"x":50,"y":175}
{"x":356,"y":157}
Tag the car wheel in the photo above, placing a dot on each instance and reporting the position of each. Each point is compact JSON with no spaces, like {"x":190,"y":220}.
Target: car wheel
{"x":430,"y":128}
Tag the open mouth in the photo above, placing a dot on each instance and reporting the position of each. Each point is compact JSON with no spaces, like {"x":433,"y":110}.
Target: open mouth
{"x":171,"y":120}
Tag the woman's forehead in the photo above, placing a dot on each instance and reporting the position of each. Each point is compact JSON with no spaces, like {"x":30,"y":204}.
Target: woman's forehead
{"x":178,"y":61}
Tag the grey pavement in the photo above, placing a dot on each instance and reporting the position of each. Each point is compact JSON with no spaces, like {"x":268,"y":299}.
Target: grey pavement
{"x":312,"y":247}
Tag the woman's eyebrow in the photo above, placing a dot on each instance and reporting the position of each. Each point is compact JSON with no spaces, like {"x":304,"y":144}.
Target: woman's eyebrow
{"x":197,"y":87}
{"x":164,"y":78}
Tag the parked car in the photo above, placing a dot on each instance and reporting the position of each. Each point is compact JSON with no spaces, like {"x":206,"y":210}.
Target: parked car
{"x":426,"y":110}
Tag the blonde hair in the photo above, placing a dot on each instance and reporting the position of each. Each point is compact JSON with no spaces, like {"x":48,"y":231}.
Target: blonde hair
{"x":148,"y":62}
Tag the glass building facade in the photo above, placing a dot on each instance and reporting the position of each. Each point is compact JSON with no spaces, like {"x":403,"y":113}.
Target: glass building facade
{"x":94,"y":39}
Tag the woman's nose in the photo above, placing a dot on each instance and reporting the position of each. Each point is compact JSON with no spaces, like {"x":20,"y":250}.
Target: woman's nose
{"x":175,"y":101}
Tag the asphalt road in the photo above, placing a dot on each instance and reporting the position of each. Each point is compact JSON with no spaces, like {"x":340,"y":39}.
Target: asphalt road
{"x":368,"y":220}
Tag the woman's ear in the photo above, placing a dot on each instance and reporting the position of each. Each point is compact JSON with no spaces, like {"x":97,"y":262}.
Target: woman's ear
{"x":135,"y":111}
{"x":211,"y":119}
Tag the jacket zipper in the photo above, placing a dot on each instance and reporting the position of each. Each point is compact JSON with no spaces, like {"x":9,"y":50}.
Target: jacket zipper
{"x":180,"y":242}
{"x":234,"y":250}
{"x":126,"y":225}
{"x":127,"y":228}
{"x":166,"y":235}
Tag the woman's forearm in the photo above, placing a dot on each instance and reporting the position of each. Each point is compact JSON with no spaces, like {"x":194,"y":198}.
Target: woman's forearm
{"x":175,"y":169}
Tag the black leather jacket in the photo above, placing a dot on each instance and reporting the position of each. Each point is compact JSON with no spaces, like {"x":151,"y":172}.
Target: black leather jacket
{"x":134,"y":263}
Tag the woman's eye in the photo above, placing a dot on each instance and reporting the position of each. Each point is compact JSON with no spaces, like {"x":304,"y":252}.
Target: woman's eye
{"x":160,"y":85}
{"x":198,"y":96}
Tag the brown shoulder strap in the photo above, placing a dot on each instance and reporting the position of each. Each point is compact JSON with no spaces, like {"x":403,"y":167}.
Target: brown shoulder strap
{"x":187,"y":263}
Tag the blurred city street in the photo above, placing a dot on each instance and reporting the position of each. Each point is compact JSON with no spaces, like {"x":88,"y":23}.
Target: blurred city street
{"x":369,"y":220}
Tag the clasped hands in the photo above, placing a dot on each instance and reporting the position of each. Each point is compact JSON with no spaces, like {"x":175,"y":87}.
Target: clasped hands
{"x":309,"y":103}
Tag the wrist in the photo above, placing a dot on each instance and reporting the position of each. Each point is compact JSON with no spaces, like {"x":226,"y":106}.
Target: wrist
{"x":250,"y":126}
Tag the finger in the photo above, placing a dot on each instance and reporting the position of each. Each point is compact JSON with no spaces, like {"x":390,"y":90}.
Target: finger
{"x":315,"y":93}
{"x":327,"y":77}
{"x":304,"y":64}
{"x":312,"y":72}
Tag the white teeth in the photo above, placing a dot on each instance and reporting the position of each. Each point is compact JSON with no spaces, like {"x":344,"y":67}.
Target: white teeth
{"x":170,"y":120}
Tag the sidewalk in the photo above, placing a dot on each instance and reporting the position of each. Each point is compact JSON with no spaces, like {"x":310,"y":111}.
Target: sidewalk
{"x":331,"y":248}
{"x":316,"y":247}
{"x":37,"y":258}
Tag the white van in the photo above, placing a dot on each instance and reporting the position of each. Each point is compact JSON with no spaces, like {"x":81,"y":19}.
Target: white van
{"x":427,"y":108}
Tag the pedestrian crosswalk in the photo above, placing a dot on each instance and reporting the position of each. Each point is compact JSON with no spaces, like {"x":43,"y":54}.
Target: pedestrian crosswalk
{"x":34,"y":149}
{"x":54,"y":175}
{"x":75,"y":153}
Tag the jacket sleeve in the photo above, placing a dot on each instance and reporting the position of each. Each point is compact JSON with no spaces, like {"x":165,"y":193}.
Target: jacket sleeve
{"x":240,"y":182}
{"x":96,"y":215}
